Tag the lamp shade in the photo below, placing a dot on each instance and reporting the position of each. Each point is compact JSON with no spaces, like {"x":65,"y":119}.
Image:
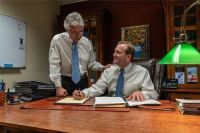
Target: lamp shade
{"x":182,"y":53}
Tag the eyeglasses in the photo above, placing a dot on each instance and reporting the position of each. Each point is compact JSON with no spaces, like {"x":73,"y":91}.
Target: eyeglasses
{"x":76,"y":32}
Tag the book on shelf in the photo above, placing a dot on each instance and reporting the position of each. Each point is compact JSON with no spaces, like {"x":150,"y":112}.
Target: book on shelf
{"x":71,"y":100}
{"x":109,"y":102}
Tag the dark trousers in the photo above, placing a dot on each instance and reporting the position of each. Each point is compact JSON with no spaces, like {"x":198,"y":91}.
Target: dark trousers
{"x":70,"y":86}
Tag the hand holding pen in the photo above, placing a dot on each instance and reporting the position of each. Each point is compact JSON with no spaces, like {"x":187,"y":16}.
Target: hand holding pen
{"x":78,"y":95}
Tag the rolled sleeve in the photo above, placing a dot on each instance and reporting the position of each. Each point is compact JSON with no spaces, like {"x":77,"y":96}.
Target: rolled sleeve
{"x":147,"y":88}
{"x":98,"y":88}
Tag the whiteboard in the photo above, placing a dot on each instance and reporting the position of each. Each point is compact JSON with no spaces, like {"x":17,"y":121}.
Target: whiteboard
{"x":12,"y":42}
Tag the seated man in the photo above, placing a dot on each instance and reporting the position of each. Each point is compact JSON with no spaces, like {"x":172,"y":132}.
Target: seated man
{"x":123,"y":79}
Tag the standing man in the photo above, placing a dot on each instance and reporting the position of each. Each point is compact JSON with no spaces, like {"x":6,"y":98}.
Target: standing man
{"x":125,"y":79}
{"x":70,"y":56}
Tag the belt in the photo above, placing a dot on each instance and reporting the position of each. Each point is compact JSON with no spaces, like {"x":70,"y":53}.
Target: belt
{"x":68,"y":77}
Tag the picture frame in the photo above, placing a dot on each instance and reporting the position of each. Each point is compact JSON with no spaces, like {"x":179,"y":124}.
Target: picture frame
{"x":192,"y":74}
{"x":139,"y":37}
{"x":180,"y":76}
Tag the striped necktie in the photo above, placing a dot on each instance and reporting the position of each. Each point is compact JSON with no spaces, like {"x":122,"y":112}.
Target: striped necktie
{"x":76,"y":76}
{"x":120,"y":84}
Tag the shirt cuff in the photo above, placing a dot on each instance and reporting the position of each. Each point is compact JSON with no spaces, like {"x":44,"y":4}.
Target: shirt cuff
{"x":85,"y":91}
{"x":57,"y":83}
{"x":146,"y":97}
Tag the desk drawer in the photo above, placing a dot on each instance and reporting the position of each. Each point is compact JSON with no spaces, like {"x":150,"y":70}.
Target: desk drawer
{"x":173,"y":96}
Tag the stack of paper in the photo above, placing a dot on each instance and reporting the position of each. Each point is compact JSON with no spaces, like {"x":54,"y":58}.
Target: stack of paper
{"x":188,"y":106}
{"x":109,"y":102}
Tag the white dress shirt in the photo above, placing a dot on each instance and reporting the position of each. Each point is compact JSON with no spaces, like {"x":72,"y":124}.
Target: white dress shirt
{"x":60,"y":57}
{"x":135,"y":78}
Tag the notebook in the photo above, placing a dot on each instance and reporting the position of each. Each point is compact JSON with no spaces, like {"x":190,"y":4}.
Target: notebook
{"x":71,"y":100}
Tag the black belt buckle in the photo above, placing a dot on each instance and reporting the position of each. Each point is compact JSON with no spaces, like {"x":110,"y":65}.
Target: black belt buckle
{"x":84,"y":76}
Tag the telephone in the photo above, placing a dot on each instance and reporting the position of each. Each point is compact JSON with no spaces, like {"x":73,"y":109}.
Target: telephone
{"x":170,"y":83}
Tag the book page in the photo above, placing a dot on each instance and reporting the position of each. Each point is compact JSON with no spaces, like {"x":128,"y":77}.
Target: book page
{"x":146,"y":102}
{"x":71,"y":100}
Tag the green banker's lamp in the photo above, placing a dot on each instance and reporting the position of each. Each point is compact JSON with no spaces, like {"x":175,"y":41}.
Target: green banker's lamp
{"x":183,"y":52}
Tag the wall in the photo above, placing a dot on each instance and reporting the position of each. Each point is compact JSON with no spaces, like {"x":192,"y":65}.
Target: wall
{"x":41,"y":20}
{"x":129,"y":13}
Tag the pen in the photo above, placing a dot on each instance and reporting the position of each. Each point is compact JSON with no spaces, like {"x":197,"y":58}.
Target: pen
{"x":125,"y":99}
{"x":79,"y":89}
{"x":1,"y":85}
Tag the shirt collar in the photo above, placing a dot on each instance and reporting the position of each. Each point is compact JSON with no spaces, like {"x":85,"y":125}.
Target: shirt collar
{"x":67,"y":34}
{"x":127,"y":68}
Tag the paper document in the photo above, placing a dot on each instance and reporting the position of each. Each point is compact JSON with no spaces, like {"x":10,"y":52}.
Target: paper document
{"x":146,"y":102}
{"x":71,"y":100}
{"x":187,"y":101}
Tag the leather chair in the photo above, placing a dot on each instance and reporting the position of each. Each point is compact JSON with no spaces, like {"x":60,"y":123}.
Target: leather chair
{"x":156,"y":71}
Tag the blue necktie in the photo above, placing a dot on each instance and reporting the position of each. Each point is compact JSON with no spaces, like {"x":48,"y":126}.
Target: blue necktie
{"x":120,"y":84}
{"x":76,"y":76}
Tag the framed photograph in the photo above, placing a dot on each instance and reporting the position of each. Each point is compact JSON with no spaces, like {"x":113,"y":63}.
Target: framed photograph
{"x":139,"y":37}
{"x":192,"y":75}
{"x":180,"y":77}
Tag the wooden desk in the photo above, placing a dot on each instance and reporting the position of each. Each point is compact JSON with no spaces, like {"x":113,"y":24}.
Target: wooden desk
{"x":15,"y":120}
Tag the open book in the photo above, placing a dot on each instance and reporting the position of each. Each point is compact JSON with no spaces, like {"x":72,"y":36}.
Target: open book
{"x":145,"y":102}
{"x":120,"y":102}
{"x":109,"y":102}
{"x":71,"y":100}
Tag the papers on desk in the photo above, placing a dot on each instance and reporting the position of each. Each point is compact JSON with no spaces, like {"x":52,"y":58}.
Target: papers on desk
{"x":187,"y":101}
{"x":112,"y":102}
{"x":187,"y":106}
{"x":146,"y":102}
{"x":71,"y":100}
{"x":109,"y":102}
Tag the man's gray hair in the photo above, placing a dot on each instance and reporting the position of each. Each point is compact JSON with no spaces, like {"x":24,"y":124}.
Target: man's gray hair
{"x":73,"y":19}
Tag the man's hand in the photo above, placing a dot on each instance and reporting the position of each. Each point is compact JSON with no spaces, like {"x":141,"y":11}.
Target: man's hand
{"x":60,"y":92}
{"x":77,"y":94}
{"x":137,"y":96}
{"x":107,"y":66}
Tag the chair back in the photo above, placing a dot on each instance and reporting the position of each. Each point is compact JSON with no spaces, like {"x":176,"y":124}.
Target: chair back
{"x":156,"y":71}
